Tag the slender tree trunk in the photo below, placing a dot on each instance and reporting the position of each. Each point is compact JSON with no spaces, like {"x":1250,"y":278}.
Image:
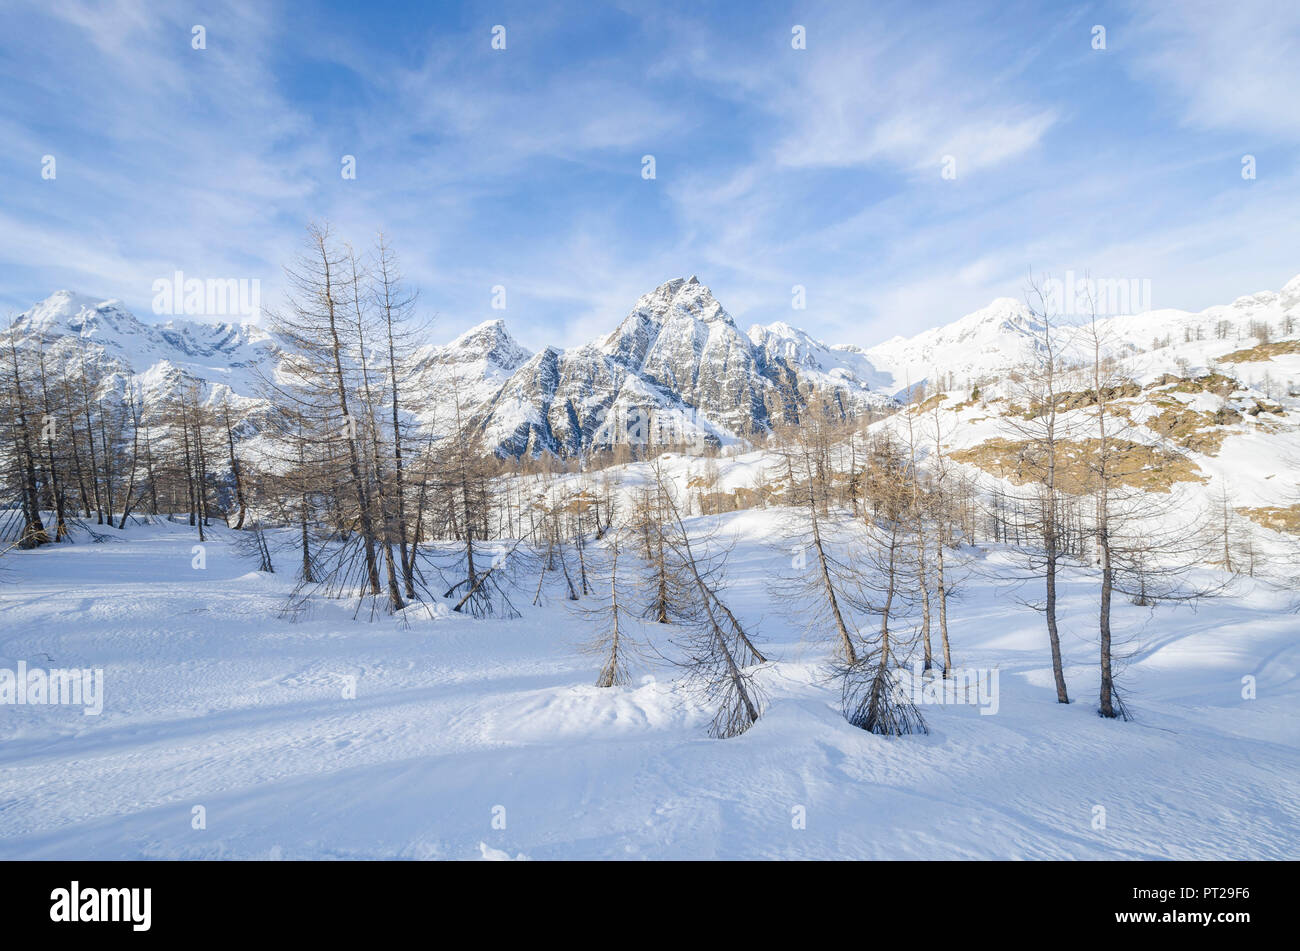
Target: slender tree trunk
{"x":1107,"y":707}
{"x":234,"y":469}
{"x":941,"y":591}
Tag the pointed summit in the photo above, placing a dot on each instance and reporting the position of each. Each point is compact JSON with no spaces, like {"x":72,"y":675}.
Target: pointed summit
{"x":489,"y":330}
{"x":490,"y":342}
{"x":79,"y":313}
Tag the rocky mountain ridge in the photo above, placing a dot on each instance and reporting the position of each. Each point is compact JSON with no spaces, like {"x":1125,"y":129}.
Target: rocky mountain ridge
{"x":676,"y":369}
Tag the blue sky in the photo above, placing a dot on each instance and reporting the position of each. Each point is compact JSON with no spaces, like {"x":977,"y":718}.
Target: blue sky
{"x":522,"y":167}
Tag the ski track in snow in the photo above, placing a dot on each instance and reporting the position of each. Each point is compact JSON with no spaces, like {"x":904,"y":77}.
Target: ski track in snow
{"x":212,"y":700}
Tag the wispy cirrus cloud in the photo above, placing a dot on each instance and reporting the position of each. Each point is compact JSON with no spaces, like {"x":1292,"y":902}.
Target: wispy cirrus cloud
{"x":1225,"y":66}
{"x":775,"y":166}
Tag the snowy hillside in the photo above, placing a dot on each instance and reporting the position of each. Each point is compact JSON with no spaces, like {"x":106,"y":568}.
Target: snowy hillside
{"x":1216,"y":394}
{"x":214,"y":703}
{"x":983,"y":346}
{"x":244,"y":714}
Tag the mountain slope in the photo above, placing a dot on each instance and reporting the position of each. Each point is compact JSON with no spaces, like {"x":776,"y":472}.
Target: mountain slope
{"x":984,"y":345}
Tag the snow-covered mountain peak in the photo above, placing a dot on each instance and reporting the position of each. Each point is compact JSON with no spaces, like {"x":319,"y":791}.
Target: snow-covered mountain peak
{"x":681,"y":298}
{"x":108,"y":326}
{"x":677,"y":313}
{"x":847,"y":368}
{"x":779,"y":329}
{"x":998,"y":334}
{"x":69,"y":312}
{"x":72,"y":329}
{"x":489,"y":341}
{"x":494,"y":327}
{"x":475,"y":365}
{"x":679,"y":358}
{"x":1001,"y":315}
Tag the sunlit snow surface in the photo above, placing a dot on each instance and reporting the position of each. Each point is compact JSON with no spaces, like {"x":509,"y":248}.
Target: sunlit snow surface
{"x":213,"y":701}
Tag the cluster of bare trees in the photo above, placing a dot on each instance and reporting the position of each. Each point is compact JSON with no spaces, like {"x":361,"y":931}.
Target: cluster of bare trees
{"x":660,"y":571}
{"x":871,"y":531}
{"x":368,"y":468}
{"x":874,"y":523}
{"x":338,"y":418}
{"x":394,"y":495}
{"x":1092,"y":491}
{"x":85,"y":441}
{"x":340,"y":447}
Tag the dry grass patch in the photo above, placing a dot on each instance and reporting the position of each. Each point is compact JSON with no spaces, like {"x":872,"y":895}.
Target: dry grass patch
{"x":1265,"y":351}
{"x":1151,"y":468}
{"x":1192,"y":429}
{"x":1219,"y":384}
{"x":929,"y":403}
{"x":1279,"y":518}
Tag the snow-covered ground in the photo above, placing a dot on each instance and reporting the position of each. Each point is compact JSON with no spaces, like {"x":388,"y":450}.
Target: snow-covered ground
{"x":460,"y":727}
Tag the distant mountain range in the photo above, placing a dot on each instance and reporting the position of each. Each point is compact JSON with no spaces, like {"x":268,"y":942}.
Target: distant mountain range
{"x":677,"y":359}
